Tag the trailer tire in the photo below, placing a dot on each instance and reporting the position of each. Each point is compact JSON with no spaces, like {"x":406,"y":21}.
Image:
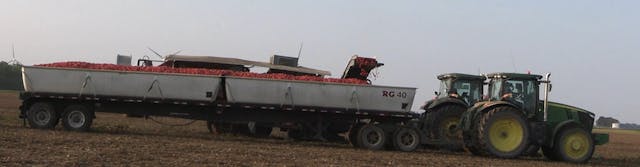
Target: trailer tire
{"x":371,"y":137}
{"x":77,"y":118}
{"x":574,"y":144}
{"x":353,"y":134}
{"x":443,"y":125}
{"x":42,"y":115}
{"x":405,"y":139}
{"x":503,"y":132}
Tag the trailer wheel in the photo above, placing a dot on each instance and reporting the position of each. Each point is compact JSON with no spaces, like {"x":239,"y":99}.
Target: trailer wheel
{"x":574,"y":145}
{"x":42,"y":116}
{"x":405,"y":139}
{"x":77,"y":118}
{"x":443,"y":125}
{"x":353,"y":134}
{"x":371,"y":137}
{"x":503,"y":133}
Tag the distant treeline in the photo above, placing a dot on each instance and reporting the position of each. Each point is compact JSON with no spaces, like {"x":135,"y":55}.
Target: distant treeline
{"x":10,"y":76}
{"x":629,"y":126}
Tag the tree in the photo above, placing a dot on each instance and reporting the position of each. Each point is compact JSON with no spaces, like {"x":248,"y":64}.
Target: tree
{"x":10,"y":76}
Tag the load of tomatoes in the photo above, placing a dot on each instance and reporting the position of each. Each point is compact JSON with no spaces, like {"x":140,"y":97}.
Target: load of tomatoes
{"x":366,"y":65}
{"x":198,"y":71}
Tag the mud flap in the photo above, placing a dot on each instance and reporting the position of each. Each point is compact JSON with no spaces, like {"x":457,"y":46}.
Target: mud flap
{"x":537,"y":133}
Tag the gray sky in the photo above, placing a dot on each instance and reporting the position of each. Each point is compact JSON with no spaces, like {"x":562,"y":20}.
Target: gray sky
{"x":590,"y":46}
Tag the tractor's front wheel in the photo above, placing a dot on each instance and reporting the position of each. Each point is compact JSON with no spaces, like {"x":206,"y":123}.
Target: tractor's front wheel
{"x":574,"y":145}
{"x":503,"y":132}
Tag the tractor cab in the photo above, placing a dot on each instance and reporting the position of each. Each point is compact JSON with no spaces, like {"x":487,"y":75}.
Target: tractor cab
{"x":516,"y":121}
{"x":467,"y":87}
{"x":520,"y":90}
{"x":442,"y":114}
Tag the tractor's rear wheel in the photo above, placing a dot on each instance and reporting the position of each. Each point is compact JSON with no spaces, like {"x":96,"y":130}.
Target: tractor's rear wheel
{"x":470,"y":138}
{"x":574,"y":145}
{"x":371,"y":137}
{"x":42,"y":116}
{"x":443,"y":125}
{"x":503,"y":132}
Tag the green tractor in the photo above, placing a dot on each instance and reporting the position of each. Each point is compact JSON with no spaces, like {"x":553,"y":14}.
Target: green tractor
{"x":514,"y":120}
{"x":442,"y":114}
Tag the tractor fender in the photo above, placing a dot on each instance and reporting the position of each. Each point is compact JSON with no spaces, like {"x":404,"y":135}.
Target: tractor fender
{"x":427,"y":104}
{"x":558,"y":128}
{"x":447,"y":100}
{"x":491,"y":105}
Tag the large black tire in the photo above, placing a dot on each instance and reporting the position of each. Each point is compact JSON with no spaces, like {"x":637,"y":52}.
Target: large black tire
{"x":42,"y":116}
{"x":77,"y":118}
{"x":405,"y":139}
{"x":503,"y":132}
{"x":371,"y":137}
{"x":353,"y":134}
{"x":443,"y":125}
{"x":471,"y":143}
{"x":574,"y":144}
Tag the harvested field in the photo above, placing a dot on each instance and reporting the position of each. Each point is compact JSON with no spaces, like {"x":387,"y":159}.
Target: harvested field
{"x":119,"y":141}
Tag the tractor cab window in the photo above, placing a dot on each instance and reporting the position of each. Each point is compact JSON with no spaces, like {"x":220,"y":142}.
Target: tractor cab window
{"x":522,"y":93}
{"x":495,"y":89}
{"x":445,"y":85}
{"x":468,"y":90}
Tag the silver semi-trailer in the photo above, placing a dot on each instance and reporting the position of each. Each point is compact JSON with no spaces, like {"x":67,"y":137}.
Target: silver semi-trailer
{"x":372,"y":116}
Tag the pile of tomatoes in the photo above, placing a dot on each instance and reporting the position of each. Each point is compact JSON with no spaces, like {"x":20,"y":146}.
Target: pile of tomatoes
{"x":366,"y":65}
{"x":198,"y":71}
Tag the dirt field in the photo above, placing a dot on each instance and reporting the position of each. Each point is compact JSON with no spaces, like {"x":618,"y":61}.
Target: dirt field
{"x":119,"y":141}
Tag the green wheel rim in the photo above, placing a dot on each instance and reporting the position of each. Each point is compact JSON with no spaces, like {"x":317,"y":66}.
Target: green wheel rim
{"x":576,"y":145}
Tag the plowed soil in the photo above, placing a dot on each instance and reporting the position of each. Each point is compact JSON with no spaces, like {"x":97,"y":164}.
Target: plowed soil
{"x":120,"y":141}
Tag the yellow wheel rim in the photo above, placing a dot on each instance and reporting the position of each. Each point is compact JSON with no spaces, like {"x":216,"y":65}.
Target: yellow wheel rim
{"x":576,"y":145}
{"x":449,"y":126}
{"x":506,"y":134}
